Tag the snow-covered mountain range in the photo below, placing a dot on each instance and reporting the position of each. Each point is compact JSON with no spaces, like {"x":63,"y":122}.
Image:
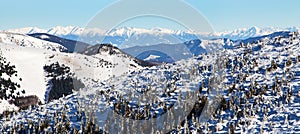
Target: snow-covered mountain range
{"x":244,"y":33}
{"x":128,"y":37}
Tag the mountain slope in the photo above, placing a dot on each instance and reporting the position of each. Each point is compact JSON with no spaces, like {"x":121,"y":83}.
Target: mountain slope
{"x":112,"y":50}
{"x":30,"y":65}
{"x":28,"y":41}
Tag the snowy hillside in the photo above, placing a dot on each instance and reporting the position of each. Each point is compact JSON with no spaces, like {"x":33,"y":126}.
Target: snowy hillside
{"x":252,"y":87}
{"x":28,"y":41}
{"x":128,"y":37}
{"x":30,"y":63}
{"x":258,"y":92}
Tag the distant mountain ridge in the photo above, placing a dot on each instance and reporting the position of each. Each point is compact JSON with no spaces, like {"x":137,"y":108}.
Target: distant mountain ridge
{"x":71,"y":45}
{"x":126,"y":37}
{"x":175,"y":52}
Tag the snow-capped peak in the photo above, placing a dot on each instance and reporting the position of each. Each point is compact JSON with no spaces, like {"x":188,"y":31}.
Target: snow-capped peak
{"x":59,"y":30}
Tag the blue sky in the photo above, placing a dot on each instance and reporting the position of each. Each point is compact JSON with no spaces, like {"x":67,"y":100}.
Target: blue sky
{"x":221,"y":14}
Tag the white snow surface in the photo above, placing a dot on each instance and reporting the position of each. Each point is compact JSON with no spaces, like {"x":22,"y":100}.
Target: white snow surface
{"x":151,"y":57}
{"x":29,"y":64}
